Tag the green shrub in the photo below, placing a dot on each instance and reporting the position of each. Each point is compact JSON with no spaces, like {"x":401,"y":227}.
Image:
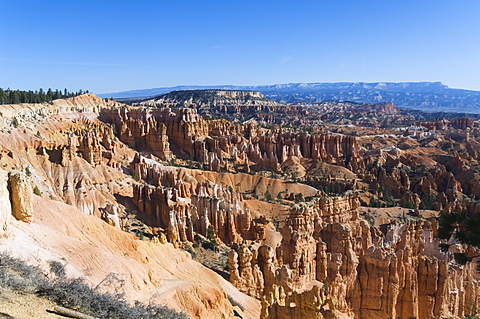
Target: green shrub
{"x":36,"y":191}
{"x":135,"y":176}
{"x":14,"y":122}
{"x":268,"y":196}
{"x":299,"y":198}
{"x":210,"y":233}
{"x":427,"y":201}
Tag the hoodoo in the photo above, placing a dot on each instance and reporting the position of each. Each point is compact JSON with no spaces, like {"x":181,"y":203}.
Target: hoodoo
{"x":224,"y":204}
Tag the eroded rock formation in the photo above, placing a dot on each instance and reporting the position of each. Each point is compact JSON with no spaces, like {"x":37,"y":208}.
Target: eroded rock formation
{"x":390,"y":270}
{"x":216,"y":143}
{"x":21,"y":196}
{"x":176,"y":201}
{"x":398,"y":272}
{"x":310,"y":304}
{"x":230,"y":104}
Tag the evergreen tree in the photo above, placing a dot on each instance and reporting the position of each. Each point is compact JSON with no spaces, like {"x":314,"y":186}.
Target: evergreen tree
{"x":460,"y":228}
{"x":8,"y":96}
{"x":49,"y":95}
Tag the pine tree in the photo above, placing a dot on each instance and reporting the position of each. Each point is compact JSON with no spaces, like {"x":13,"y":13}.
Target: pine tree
{"x":8,"y":96}
{"x":49,"y":95}
{"x":460,"y":228}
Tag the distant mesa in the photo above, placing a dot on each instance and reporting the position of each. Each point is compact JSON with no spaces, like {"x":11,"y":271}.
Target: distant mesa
{"x":199,"y":98}
{"x":426,"y":96}
{"x":231,"y":104}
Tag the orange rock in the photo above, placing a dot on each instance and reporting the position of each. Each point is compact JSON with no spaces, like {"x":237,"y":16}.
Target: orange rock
{"x":21,"y":196}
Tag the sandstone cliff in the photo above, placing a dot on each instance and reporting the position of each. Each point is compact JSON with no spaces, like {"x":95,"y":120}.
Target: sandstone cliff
{"x":398,"y":272}
{"x":216,"y":143}
{"x":304,"y":252}
{"x":73,"y":158}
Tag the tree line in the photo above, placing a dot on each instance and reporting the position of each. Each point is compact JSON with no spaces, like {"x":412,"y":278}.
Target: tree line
{"x":17,"y":96}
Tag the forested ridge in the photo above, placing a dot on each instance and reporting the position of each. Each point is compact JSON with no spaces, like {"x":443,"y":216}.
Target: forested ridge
{"x":8,"y":96}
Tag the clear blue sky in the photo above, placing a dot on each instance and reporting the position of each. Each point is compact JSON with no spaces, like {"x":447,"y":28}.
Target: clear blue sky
{"x":107,"y":46}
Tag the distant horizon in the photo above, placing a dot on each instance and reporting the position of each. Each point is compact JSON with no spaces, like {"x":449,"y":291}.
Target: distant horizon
{"x":286,"y":83}
{"x":115,"y":46}
{"x":215,"y":85}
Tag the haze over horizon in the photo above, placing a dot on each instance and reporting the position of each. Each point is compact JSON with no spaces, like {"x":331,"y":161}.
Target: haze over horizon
{"x":113,"y":46}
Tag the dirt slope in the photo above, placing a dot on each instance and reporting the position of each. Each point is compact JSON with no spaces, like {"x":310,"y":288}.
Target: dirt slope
{"x":93,"y":249}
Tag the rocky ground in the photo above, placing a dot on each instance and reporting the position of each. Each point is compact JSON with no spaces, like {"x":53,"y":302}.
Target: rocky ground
{"x":25,"y":306}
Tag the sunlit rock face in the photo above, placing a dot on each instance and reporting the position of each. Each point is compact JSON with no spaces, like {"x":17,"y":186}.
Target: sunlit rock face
{"x":318,"y":258}
{"x":217,"y":143}
{"x":399,"y":272}
{"x":21,"y":196}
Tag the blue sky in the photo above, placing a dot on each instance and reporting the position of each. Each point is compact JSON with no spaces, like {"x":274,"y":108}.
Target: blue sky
{"x":107,"y":46}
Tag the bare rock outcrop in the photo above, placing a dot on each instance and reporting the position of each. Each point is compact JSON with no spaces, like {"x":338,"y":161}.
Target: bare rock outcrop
{"x":178,"y":203}
{"x":5,"y":205}
{"x":387,"y":271}
{"x":143,"y":130}
{"x":228,"y":103}
{"x":21,"y":196}
{"x":245,"y":272}
{"x":462,"y":122}
{"x":301,"y":258}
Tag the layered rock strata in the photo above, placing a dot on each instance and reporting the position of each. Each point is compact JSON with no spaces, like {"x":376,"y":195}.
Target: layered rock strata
{"x":396,"y":272}
{"x":183,"y":206}
{"x":218,"y":143}
{"x":231,"y":104}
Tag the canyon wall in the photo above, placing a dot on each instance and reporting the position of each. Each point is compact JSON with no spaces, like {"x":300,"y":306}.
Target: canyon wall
{"x":396,"y":272}
{"x":174,"y":201}
{"x":245,"y":105}
{"x":318,"y":261}
{"x":219,"y":144}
